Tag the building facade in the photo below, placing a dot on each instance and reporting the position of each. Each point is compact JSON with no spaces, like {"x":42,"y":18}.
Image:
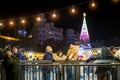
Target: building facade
{"x":71,"y":36}
{"x":44,"y":31}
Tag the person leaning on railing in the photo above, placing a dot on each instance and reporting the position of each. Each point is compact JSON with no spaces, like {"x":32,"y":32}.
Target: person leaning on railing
{"x":60,"y":56}
{"x":47,"y":69}
{"x":115,"y":51}
{"x":103,"y":71}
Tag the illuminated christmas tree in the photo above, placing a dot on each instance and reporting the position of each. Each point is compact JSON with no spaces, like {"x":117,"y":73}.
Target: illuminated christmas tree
{"x":84,"y":35}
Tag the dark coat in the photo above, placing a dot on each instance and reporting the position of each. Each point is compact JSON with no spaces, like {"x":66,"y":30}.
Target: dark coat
{"x":47,"y":56}
{"x":10,"y":66}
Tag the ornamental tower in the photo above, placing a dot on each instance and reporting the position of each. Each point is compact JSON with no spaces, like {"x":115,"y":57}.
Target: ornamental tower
{"x":84,"y":35}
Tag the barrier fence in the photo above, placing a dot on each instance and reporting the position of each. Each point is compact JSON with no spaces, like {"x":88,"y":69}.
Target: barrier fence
{"x":66,"y":70}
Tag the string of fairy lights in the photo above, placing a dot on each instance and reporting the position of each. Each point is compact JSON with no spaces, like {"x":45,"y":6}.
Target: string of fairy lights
{"x":73,"y":10}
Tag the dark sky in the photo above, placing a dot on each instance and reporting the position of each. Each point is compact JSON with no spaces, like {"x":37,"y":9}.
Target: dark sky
{"x":103,"y":22}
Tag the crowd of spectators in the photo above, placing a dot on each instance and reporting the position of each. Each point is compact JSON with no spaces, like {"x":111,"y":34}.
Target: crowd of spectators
{"x":12,"y":55}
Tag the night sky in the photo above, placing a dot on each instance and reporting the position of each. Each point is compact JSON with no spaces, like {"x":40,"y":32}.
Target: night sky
{"x":103,"y":22}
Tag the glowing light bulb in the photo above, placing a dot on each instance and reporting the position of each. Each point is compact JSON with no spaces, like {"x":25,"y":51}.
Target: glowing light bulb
{"x":11,"y":22}
{"x":115,"y":1}
{"x":93,"y":4}
{"x":23,"y":21}
{"x":1,"y":24}
{"x":53,"y":15}
{"x":73,"y":10}
{"x":38,"y":19}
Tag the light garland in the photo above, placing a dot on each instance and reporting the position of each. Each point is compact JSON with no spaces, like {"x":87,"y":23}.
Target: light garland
{"x":53,"y":15}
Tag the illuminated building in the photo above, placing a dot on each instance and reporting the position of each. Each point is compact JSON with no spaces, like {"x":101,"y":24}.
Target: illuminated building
{"x":71,"y":36}
{"x":43,"y":31}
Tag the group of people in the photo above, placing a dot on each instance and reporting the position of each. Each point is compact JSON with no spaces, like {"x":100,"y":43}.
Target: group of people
{"x":74,"y":51}
{"x":11,"y":57}
{"x":19,"y":53}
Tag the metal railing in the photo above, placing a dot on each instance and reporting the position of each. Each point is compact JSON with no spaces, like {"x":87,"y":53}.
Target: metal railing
{"x":66,"y":70}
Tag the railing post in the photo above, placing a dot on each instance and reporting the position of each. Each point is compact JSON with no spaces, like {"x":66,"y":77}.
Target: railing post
{"x":61,"y":71}
{"x":77,"y":72}
{"x":118,"y":73}
{"x":3,"y":73}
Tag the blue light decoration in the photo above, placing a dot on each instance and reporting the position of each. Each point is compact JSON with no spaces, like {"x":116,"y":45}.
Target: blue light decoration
{"x":22,"y":32}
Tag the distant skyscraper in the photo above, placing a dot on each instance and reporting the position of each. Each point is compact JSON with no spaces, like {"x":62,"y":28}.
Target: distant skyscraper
{"x":84,"y":35}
